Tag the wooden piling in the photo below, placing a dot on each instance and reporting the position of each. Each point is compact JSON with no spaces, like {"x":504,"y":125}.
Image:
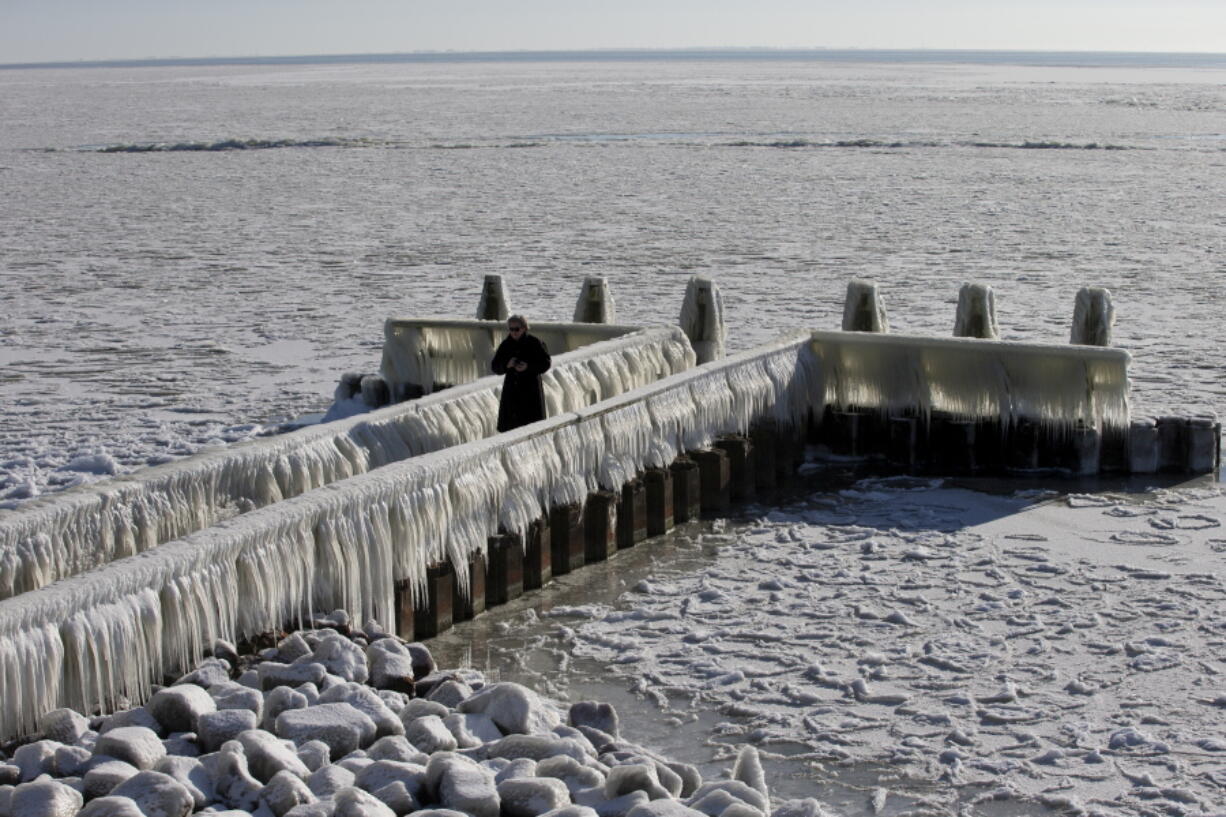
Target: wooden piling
{"x":952,"y":445}
{"x":433,"y":614}
{"x":505,"y":574}
{"x":1022,"y":446}
{"x":567,"y":550}
{"x":902,"y":447}
{"x":1172,"y":444}
{"x":740,"y":453}
{"x":658,"y":487}
{"x":472,"y":605}
{"x":632,"y":514}
{"x":763,"y":437}
{"x":600,"y":525}
{"x":538,"y":554}
{"x":687,"y":490}
{"x":1143,"y":446}
{"x":1203,"y":438}
{"x":715,"y":476}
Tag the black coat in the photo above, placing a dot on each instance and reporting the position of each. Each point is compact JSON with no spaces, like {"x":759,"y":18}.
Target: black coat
{"x":523,"y":398}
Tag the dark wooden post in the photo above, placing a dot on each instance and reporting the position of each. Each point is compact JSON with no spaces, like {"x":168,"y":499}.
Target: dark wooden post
{"x":658,"y":485}
{"x":566,"y":538}
{"x":687,"y":490}
{"x":474,"y":604}
{"x":538,"y":552}
{"x":505,"y":577}
{"x":632,"y":514}
{"x":600,"y":525}
{"x":715,"y":479}
{"x":434,"y":613}
{"x":762,"y":435}
{"x":740,"y":453}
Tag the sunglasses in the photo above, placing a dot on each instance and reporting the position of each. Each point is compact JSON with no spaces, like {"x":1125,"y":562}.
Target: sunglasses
{"x":515,"y":328}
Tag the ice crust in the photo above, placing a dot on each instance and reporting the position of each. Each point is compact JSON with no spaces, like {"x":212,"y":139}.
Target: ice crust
{"x":78,"y":530}
{"x":428,"y":352}
{"x":83,"y":641}
{"x":595,"y":303}
{"x":1059,"y":388}
{"x":702,"y":318}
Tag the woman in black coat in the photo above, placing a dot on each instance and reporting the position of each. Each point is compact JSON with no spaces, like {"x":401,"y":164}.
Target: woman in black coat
{"x":523,"y":359}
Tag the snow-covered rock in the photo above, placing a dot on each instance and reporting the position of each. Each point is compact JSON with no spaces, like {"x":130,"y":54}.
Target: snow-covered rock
{"x":137,"y":745}
{"x":178,"y":708}
{"x":285,"y":791}
{"x":339,"y":725}
{"x":353,"y":802}
{"x":111,"y":807}
{"x":63,"y":725}
{"x":514,"y":708}
{"x":532,"y":796}
{"x":430,"y":735}
{"x":267,"y":756}
{"x":45,"y":798}
{"x":156,"y":794}
{"x":191,"y":774}
{"x":215,"y":728}
{"x":105,"y":776}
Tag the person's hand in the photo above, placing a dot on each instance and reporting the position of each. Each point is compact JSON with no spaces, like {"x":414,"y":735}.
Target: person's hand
{"x":520,"y":366}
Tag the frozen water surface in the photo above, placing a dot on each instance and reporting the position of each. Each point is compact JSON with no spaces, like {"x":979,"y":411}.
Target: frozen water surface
{"x":901,"y":645}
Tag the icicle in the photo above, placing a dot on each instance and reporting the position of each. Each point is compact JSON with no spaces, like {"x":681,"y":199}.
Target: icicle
{"x":494,"y":305}
{"x":863,"y":309}
{"x":976,"y":316}
{"x":702,"y":318}
{"x":595,"y":304}
{"x":1093,"y":317}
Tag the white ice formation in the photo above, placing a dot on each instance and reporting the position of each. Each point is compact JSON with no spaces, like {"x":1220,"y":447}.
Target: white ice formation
{"x":976,"y":317}
{"x":84,"y":641}
{"x":702,"y":318}
{"x":1093,"y":317}
{"x":493,"y":305}
{"x":595,"y":303}
{"x":428,"y":352}
{"x":78,"y":530}
{"x":1059,"y":388}
{"x":863,"y":308}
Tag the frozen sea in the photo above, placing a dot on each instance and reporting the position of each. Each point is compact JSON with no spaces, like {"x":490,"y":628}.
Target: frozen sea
{"x":192,"y":253}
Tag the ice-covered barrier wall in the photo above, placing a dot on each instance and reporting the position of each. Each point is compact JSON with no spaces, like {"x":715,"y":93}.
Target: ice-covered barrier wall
{"x":1056,"y":387}
{"x":85,"y":640}
{"x":428,"y":352}
{"x":77,"y":530}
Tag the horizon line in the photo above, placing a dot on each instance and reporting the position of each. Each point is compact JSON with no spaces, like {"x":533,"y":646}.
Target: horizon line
{"x":565,"y":53}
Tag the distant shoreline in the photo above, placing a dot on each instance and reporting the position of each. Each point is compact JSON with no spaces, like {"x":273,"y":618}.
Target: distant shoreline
{"x":1065,"y":59}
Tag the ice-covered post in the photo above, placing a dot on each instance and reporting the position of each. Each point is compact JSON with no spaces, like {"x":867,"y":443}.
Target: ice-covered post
{"x":493,"y":305}
{"x":864,"y":310}
{"x":1093,"y":317}
{"x":976,"y":316}
{"x":595,"y":304}
{"x":702,"y":318}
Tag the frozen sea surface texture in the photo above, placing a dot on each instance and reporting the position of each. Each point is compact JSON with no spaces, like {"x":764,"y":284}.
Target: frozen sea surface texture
{"x":966,"y":642}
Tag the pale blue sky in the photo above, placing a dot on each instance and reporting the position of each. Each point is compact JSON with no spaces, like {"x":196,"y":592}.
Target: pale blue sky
{"x":47,"y":30}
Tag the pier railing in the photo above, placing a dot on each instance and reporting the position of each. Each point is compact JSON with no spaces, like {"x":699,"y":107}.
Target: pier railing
{"x":79,"y":529}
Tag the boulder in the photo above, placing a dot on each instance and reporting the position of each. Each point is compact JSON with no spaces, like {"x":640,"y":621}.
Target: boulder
{"x":471,"y":731}
{"x":390,"y":670}
{"x":191,"y":775}
{"x":208,"y":672}
{"x":514,"y":708}
{"x":36,"y":759}
{"x":396,"y":747}
{"x":267,"y":756}
{"x":45,"y":798}
{"x":574,"y":774}
{"x":430,"y":735}
{"x":63,"y":725}
{"x":229,"y":695}
{"x":178,"y":708}
{"x":284,"y":791}
{"x":326,"y":782}
{"x":342,"y":657}
{"x":137,"y":745}
{"x":595,"y":715}
{"x":382,"y":772}
{"x":140,"y":716}
{"x":397,"y":797}
{"x":634,"y":777}
{"x":537,"y":747}
{"x":281,"y":699}
{"x":105,"y":776}
{"x":156,"y":794}
{"x":215,"y":728}
{"x":111,"y":807}
{"x":366,"y":700}
{"x":353,"y":802}
{"x":532,"y":796}
{"x":340,"y":726}
{"x":315,"y":754}
{"x":450,"y":693}
{"x":273,"y":674}
{"x":232,"y":780}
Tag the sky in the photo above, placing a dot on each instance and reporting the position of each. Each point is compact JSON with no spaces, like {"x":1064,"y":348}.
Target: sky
{"x":68,"y":30}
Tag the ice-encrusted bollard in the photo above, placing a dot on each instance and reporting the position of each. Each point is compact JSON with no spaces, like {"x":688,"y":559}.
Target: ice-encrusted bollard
{"x":632,"y":514}
{"x":658,"y":486}
{"x":1093,"y":317}
{"x":864,"y":309}
{"x":702,"y":318}
{"x":567,"y":551}
{"x":976,"y":317}
{"x":687,"y":489}
{"x":375,"y":392}
{"x":595,"y":304}
{"x":600,"y":525}
{"x":493,"y":305}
